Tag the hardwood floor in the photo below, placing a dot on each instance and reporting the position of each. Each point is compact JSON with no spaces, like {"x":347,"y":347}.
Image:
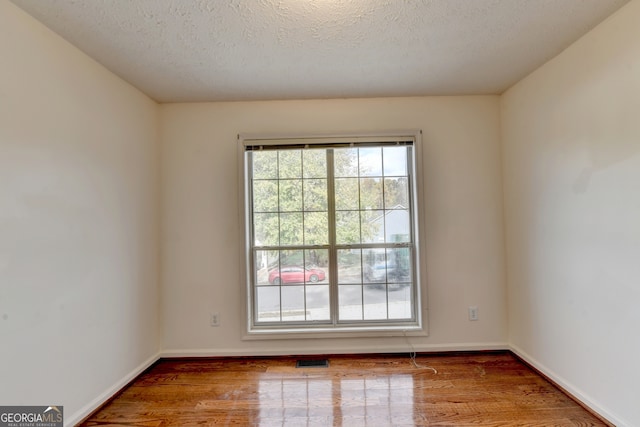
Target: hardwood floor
{"x":479,"y":389}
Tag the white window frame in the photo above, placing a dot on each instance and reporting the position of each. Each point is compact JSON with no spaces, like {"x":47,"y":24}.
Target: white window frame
{"x":416,"y":327}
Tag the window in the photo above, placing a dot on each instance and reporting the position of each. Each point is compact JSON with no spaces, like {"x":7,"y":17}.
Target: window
{"x":332,"y":233}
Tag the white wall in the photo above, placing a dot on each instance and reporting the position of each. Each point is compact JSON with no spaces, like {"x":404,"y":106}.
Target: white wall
{"x":571,"y":137}
{"x":464,"y":227}
{"x":79,"y":229}
{"x":79,"y":196}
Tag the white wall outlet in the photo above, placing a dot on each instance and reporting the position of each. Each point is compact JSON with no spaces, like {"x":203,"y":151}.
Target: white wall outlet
{"x":473,"y":312}
{"x":215,"y":319}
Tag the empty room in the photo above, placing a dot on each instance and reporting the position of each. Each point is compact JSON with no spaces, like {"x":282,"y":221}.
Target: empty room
{"x":319,"y":212}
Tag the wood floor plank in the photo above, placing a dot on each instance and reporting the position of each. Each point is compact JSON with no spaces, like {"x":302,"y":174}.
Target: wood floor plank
{"x":476,"y":389}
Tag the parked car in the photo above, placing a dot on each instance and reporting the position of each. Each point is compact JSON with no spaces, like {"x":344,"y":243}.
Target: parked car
{"x":376,"y":272}
{"x":385,"y":272}
{"x":295,"y":275}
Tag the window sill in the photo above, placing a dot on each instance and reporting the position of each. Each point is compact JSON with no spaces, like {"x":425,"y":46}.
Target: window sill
{"x":346,"y":332}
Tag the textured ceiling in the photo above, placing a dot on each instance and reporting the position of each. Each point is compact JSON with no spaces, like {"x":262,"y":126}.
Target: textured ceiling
{"x":211,"y":50}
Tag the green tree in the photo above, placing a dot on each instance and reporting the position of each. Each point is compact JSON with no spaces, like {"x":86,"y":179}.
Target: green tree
{"x":290,"y":197}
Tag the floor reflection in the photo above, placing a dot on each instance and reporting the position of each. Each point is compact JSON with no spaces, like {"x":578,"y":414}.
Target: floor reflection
{"x":376,"y":401}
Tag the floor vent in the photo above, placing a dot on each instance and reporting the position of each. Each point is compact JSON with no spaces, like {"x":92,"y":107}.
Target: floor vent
{"x":324,"y":363}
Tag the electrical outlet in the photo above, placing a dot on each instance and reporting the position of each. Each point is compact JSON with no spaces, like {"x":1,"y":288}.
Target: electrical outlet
{"x":473,"y":312}
{"x":215,"y":319}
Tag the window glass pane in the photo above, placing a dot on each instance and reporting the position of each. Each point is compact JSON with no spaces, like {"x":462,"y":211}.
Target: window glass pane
{"x":317,"y":297}
{"x":400,"y":301}
{"x":292,"y":270}
{"x":265,"y":164}
{"x":350,"y":302}
{"x":375,"y":265}
{"x":315,"y":194}
{"x":370,"y":193}
{"x":289,"y":164}
{"x":370,"y":161}
{"x":290,"y":195}
{"x":293,"y":303}
{"x":314,"y":163}
{"x":396,"y":193}
{"x":398,"y":265}
{"x":397,"y":226}
{"x":266,"y":229}
{"x":291,"y":229}
{"x":317,"y":258}
{"x":289,"y":259}
{"x":316,"y":228}
{"x":346,"y":194}
{"x":347,"y":227}
{"x":372,"y":225}
{"x":345,"y":162}
{"x":349,"y":266}
{"x":265,"y":196}
{"x":268,"y":303}
{"x":375,"y":302}
{"x":395,"y":161}
{"x":265,"y":262}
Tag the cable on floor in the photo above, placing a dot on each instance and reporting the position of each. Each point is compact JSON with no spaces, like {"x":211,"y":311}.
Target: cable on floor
{"x":413,"y":354}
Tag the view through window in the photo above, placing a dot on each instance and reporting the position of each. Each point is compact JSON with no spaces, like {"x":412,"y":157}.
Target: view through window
{"x":331,"y":233}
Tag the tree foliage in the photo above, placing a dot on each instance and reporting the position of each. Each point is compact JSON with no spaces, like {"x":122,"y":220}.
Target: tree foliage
{"x":291,"y":201}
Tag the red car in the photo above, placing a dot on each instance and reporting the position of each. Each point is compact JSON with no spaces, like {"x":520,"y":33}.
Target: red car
{"x":295,"y":275}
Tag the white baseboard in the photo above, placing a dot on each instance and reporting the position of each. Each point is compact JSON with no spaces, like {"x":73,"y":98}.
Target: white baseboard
{"x":402,"y":347}
{"x":95,"y":403}
{"x":569,"y":388}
